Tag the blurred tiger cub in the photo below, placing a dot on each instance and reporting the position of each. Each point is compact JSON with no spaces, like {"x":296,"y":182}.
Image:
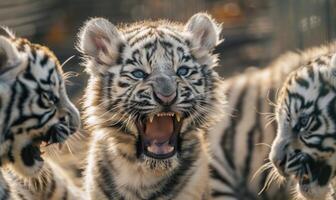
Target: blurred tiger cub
{"x":305,"y":145}
{"x":151,"y":95}
{"x":241,"y":142}
{"x":35,"y":112}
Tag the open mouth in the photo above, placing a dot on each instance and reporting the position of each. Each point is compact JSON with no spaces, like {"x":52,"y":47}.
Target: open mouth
{"x":313,"y":172}
{"x":57,"y":134}
{"x":159,"y":135}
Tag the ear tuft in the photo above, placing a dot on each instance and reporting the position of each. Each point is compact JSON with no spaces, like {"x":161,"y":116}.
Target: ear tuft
{"x":10,"y":59}
{"x":100,"y":39}
{"x":205,"y":31}
{"x":6,"y":32}
{"x":9,"y":55}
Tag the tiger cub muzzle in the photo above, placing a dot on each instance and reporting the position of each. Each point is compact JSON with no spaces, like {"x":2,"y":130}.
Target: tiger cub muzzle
{"x":309,"y":172}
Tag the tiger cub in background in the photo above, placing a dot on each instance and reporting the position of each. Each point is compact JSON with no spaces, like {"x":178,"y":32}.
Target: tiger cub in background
{"x":151,"y":95}
{"x":241,"y":141}
{"x":304,"y":149}
{"x":35,"y":112}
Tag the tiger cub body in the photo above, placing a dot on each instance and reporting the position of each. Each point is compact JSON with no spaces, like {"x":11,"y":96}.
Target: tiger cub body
{"x":241,"y":141}
{"x":304,"y":149}
{"x":151,"y":94}
{"x":35,"y":112}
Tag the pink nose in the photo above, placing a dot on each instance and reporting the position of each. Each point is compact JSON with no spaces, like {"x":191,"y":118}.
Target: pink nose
{"x":166,"y":99}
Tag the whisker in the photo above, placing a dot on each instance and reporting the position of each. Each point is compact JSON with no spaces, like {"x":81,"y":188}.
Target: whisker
{"x":263,"y":144}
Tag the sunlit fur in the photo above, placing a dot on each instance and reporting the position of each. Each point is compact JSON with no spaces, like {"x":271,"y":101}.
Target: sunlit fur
{"x":33,"y":105}
{"x":114,"y":100}
{"x":242,"y":140}
{"x":305,"y":113}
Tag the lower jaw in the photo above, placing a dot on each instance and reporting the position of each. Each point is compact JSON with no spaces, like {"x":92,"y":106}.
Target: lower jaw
{"x":160,"y":166}
{"x":313,"y":191}
{"x":160,"y":157}
{"x":142,"y":149}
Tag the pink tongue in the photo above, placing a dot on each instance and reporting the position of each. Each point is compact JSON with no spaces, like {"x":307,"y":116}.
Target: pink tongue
{"x":158,"y":134}
{"x":161,"y":129}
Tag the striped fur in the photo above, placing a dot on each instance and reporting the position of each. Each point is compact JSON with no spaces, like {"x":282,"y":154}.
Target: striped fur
{"x":304,"y":148}
{"x":34,"y":111}
{"x":241,"y":141}
{"x":116,"y":101}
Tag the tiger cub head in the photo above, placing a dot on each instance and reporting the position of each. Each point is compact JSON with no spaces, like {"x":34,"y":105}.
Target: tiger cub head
{"x":35,"y":110}
{"x":152,"y":85}
{"x":304,"y":148}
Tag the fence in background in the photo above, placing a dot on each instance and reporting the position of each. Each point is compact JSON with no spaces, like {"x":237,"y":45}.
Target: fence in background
{"x":255,"y":31}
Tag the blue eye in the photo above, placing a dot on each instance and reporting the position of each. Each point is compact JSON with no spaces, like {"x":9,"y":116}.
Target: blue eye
{"x":304,"y":120}
{"x":139,"y":73}
{"x":183,"y":71}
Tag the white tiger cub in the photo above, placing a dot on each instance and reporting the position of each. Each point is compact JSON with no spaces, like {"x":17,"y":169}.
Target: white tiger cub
{"x":241,"y":141}
{"x":35,"y":112}
{"x":304,"y":149}
{"x":151,"y":95}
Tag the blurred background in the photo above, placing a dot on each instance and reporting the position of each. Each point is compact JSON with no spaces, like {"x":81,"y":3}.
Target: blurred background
{"x":255,"y":31}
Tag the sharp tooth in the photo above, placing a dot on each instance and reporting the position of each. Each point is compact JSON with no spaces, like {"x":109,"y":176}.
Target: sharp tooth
{"x":178,"y":117}
{"x":149,"y":148}
{"x":44,"y":144}
{"x":170,"y":149}
{"x":151,"y":118}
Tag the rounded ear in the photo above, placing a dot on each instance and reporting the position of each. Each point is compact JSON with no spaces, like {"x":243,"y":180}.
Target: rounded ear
{"x":205,"y":32}
{"x":101,"y":41}
{"x":9,"y":59}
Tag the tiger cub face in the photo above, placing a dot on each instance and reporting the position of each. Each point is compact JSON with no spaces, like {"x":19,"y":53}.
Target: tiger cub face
{"x":304,"y":147}
{"x":152,"y":83}
{"x":35,"y":110}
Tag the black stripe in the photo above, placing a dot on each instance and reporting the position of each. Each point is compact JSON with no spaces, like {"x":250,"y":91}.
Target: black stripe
{"x":311,"y":73}
{"x":105,"y":179}
{"x":215,"y":175}
{"x":216,"y":193}
{"x":139,"y":39}
{"x":250,"y":138}
{"x":52,"y":188}
{"x":9,"y":108}
{"x":302,"y":82}
{"x":44,"y":60}
{"x":65,"y":195}
{"x":120,"y":51}
{"x":228,"y":140}
{"x":109,"y":84}
{"x":123,"y":84}
{"x":21,"y":196}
